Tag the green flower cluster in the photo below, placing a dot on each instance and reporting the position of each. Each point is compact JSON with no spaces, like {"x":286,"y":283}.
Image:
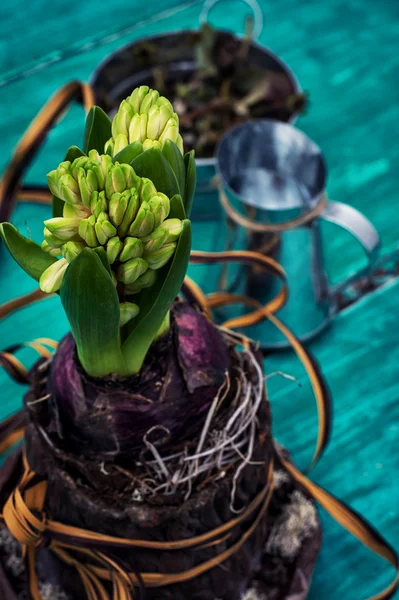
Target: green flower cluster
{"x":107,"y":205}
{"x":144,"y":117}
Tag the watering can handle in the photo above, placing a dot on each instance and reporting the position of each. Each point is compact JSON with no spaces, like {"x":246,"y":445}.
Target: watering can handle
{"x":256,"y":9}
{"x":358,"y":226}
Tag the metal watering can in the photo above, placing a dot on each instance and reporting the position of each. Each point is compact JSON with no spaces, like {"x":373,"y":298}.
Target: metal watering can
{"x":272,"y":187}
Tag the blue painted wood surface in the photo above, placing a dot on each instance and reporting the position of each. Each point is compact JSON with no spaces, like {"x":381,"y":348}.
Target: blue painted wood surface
{"x":345,"y":55}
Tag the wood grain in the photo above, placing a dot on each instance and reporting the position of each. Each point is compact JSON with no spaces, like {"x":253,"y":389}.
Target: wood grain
{"x":345,"y":55}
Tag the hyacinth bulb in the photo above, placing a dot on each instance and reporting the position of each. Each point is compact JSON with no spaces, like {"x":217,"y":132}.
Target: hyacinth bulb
{"x":107,"y":205}
{"x":144,"y":117}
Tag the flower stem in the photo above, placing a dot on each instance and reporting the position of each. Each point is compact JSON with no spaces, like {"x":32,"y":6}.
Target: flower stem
{"x":165,"y":326}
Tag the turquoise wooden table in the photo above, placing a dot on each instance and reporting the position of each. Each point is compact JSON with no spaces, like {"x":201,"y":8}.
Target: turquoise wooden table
{"x":345,"y":55}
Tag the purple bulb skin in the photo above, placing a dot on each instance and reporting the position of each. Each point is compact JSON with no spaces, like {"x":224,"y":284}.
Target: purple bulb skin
{"x":109,"y":417}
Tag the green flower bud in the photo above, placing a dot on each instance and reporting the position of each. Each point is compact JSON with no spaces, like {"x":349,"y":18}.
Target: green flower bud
{"x":170,"y":132}
{"x":94,"y":155}
{"x":174,"y":228}
{"x":131,"y":179}
{"x":154,"y":123}
{"x":76,"y":211}
{"x":154,"y":240}
{"x":105,"y":164}
{"x":87,"y":232}
{"x":121,"y":121}
{"x":107,"y":227}
{"x":121,"y":141}
{"x":162,"y":101}
{"x":160,"y":257}
{"x":179,"y":143}
{"x":132,"y":248}
{"x":54,"y":183}
{"x":88,"y":183}
{"x":128,"y":312}
{"x":97,"y":170}
{"x":131,"y":270}
{"x":166,"y":202}
{"x":98,"y":203}
{"x":53,"y":178}
{"x":144,"y":281}
{"x":109,"y":147}
{"x":64,"y":168}
{"x":69,"y":190}
{"x":101,"y":236}
{"x":70,"y":250}
{"x":138,"y":128}
{"x":114,"y":247}
{"x":100,"y":164}
{"x":102,"y":198}
{"x":46,"y":247}
{"x":115,"y":181}
{"x":78,"y":163}
{"x":160,"y":208}
{"x":104,"y":229}
{"x":98,"y":209}
{"x":130,"y":213}
{"x":137,"y":96}
{"x":51,"y":278}
{"x":147,"y":279}
{"x":149,"y":100}
{"x":52,"y":239}
{"x":117,"y":208}
{"x":147,"y":144}
{"x":147,"y":189}
{"x":93,"y":201}
{"x":165,"y":113}
{"x":143,"y":223}
{"x":62,"y":227}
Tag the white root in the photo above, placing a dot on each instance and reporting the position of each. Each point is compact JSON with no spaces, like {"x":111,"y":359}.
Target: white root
{"x":217,"y":449}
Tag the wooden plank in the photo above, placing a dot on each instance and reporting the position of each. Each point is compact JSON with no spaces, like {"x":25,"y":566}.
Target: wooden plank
{"x":359,"y":357}
{"x":60,"y":29}
{"x":344,"y":54}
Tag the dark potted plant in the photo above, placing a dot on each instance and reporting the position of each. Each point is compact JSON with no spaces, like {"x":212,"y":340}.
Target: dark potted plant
{"x":149,"y":462}
{"x":215,"y":80}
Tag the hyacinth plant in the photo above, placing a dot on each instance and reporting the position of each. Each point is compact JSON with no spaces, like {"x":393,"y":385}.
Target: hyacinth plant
{"x":138,"y":380}
{"x":117,"y":246}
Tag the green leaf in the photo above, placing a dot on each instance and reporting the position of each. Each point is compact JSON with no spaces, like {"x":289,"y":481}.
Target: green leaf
{"x":97,"y":130}
{"x":92,"y":307}
{"x":102,"y":255}
{"x":191,"y":181}
{"x":129,"y":153}
{"x":173,"y":155}
{"x":27,"y":253}
{"x":58,"y":204}
{"x":73,"y":153}
{"x":177,"y":208}
{"x":155,"y":302}
{"x":153,"y":164}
